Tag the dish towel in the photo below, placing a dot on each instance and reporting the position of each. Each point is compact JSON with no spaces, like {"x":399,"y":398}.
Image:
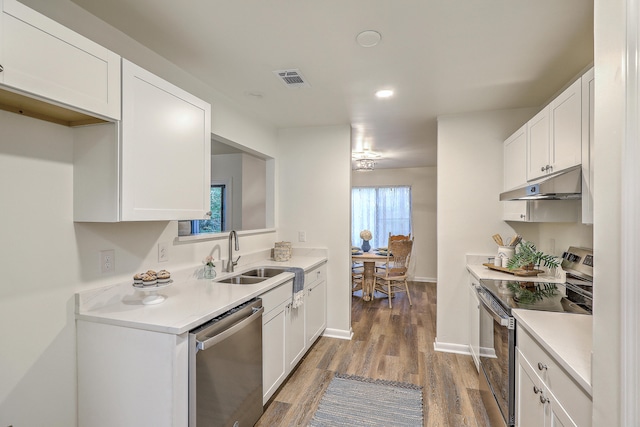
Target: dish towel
{"x":298,"y":285}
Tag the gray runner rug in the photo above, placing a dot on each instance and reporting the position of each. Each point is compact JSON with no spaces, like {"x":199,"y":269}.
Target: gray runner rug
{"x":358,"y":401}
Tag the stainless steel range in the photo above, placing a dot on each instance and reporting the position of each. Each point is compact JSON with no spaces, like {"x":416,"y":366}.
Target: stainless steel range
{"x":497,"y":326}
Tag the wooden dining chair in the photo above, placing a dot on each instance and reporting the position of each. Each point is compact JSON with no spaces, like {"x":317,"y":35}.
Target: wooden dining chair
{"x":393,"y":238}
{"x":394,"y":277}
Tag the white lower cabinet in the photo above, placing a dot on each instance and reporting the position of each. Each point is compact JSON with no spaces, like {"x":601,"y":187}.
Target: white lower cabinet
{"x":287,"y":332}
{"x":131,"y":377}
{"x":316,"y":311}
{"x":274,"y":367}
{"x":545,"y":394}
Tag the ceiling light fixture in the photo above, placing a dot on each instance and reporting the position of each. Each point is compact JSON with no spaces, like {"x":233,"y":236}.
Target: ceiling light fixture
{"x":384,"y":93}
{"x":364,"y":165}
{"x":368,"y":38}
{"x":366,"y":154}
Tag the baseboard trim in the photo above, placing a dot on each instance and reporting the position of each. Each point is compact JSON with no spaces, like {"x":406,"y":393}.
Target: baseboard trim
{"x":338,"y":333}
{"x":425,"y":279}
{"x":451,"y":348}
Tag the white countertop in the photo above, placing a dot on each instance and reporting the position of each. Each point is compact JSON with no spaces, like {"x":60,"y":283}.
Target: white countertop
{"x":480,"y":272}
{"x":566,"y":337}
{"x":190,"y":300}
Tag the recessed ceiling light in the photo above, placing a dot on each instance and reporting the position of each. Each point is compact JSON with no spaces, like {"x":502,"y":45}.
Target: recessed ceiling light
{"x":384,"y":93}
{"x":368,"y":38}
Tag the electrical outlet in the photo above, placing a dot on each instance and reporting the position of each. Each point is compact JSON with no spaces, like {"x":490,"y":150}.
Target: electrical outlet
{"x":302,"y":236}
{"x":163,"y":252}
{"x":107,"y":261}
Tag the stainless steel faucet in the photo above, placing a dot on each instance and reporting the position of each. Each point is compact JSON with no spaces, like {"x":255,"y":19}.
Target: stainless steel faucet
{"x":231,"y":263}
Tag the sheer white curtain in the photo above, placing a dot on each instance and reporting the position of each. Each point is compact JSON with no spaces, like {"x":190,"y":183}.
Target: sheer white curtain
{"x":381,"y":210}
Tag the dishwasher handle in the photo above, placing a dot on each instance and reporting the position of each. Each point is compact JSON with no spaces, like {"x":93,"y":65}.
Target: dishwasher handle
{"x":203,"y":345}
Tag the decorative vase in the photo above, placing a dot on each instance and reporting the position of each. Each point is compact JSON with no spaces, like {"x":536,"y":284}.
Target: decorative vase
{"x":365,"y":246}
{"x":209,"y":272}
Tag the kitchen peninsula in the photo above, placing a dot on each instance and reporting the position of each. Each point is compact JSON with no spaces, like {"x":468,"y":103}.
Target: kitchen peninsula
{"x":135,"y":357}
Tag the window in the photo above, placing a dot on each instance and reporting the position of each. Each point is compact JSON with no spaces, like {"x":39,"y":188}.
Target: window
{"x":381,"y":210}
{"x":218,"y":213}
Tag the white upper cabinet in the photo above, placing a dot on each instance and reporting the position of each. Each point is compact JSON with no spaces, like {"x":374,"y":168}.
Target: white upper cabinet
{"x":45,"y":60}
{"x":515,"y":159}
{"x":166,"y":149}
{"x":555,"y":134}
{"x":153,"y":165}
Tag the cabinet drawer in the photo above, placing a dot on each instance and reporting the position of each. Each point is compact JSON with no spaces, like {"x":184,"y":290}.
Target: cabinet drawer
{"x":315,"y":276}
{"x":277,"y":296}
{"x":571,"y":396}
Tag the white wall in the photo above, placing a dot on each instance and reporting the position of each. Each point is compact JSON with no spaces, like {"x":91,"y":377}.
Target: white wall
{"x":423,"y":210}
{"x":610,"y":85}
{"x":254,"y":197}
{"x":469,"y":212}
{"x":314,"y":175}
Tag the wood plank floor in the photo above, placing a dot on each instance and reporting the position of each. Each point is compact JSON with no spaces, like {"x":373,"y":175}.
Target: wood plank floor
{"x":392,"y":344}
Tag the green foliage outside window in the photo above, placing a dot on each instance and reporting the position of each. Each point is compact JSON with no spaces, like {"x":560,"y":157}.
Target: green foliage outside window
{"x":216,"y":223}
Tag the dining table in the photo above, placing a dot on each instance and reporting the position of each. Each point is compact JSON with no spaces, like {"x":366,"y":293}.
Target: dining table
{"x":369,"y":260}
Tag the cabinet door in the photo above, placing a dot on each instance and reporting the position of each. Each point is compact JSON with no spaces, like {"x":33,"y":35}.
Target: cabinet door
{"x":43,"y":58}
{"x":565,"y":114}
{"x":295,"y":338}
{"x":274,"y":366}
{"x":515,"y":159}
{"x":558,"y":417}
{"x":588,"y":87}
{"x":166,"y":149}
{"x":316,"y":311}
{"x":538,"y":145}
{"x":530,"y":409}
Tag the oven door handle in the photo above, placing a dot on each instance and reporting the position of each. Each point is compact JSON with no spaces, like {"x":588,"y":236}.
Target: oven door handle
{"x":502,"y":318}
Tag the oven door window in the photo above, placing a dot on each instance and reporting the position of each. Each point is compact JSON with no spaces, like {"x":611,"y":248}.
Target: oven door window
{"x":497,"y":352}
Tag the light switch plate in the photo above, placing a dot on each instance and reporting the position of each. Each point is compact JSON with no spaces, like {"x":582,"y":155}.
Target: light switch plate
{"x":302,"y":236}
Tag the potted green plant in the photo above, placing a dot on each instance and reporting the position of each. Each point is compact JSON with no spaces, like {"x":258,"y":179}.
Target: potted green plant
{"x":528,"y":257}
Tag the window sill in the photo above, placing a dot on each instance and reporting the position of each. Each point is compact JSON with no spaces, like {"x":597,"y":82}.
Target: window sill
{"x":221,"y":236}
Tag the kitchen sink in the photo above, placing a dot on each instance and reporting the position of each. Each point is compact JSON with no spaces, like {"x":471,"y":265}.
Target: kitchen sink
{"x":243,"y":280}
{"x":267,"y":272}
{"x":254,"y":276}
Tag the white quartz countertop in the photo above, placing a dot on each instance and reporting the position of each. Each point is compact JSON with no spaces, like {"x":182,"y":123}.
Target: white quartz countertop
{"x":190,"y":301}
{"x":566,"y":337}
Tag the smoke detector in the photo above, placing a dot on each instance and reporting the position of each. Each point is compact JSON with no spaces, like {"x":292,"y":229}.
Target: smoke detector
{"x":291,"y":78}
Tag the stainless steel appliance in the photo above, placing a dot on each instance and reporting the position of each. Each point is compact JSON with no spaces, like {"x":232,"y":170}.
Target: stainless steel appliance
{"x":497,"y":326}
{"x":225,"y":369}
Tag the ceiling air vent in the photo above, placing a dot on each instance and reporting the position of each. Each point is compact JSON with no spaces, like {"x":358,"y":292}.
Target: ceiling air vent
{"x":291,"y":78}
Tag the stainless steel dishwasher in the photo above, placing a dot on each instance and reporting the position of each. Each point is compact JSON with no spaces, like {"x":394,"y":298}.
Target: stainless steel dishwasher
{"x":225,"y":369}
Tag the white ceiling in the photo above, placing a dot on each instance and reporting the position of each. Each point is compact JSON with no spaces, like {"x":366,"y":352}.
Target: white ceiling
{"x":440,"y":57}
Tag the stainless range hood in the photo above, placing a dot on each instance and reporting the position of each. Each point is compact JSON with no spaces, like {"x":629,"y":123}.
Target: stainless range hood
{"x":564,"y":185}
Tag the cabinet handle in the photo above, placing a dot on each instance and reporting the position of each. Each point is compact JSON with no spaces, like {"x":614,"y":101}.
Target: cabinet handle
{"x":542,"y":169}
{"x":537,"y":389}
{"x":541,"y":366}
{"x":208,"y":214}
{"x":523,"y":216}
{"x":543,"y":399}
